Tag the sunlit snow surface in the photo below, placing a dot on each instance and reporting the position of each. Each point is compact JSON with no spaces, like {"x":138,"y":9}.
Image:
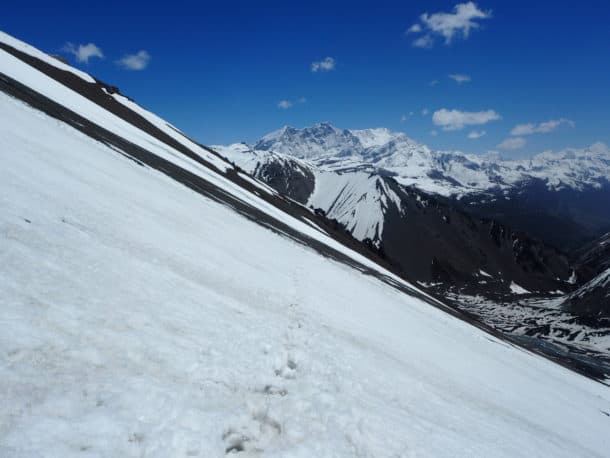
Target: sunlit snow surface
{"x":138,"y":318}
{"x":517,"y":289}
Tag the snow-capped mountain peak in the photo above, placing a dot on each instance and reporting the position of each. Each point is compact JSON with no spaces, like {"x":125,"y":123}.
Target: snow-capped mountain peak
{"x":448,"y":173}
{"x":319,"y":140}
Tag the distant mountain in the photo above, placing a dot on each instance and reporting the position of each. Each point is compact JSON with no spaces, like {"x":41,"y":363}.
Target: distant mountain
{"x":446,"y":173}
{"x":568,"y":190}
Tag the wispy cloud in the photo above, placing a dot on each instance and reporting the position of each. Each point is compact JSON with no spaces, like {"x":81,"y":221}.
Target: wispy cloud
{"x":285,"y":103}
{"x":542,"y":128}
{"x":405,"y":117}
{"x":325,"y":65}
{"x":83,"y":53}
{"x":433,"y":83}
{"x":425,"y":41}
{"x":460,"y":78}
{"x":434,"y":133}
{"x":460,"y":22}
{"x":425,"y":112}
{"x":457,"y":120}
{"x":476,"y":134}
{"x":138,"y":61}
{"x":512,"y":143}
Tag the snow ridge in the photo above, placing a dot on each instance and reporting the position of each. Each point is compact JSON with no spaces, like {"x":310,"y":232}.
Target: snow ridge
{"x":448,"y":173}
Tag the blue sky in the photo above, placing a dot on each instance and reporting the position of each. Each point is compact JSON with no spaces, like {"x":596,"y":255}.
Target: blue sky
{"x":232,"y":71}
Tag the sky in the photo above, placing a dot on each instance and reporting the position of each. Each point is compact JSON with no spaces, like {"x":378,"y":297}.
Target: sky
{"x":516,"y":77}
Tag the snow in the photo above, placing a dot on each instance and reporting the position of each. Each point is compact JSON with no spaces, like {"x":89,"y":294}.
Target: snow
{"x":373,"y":137}
{"x":140,"y":319}
{"x":27,"y":49}
{"x":515,"y":288}
{"x":38,"y":81}
{"x":447,"y":173}
{"x":320,"y":140}
{"x":573,"y":278}
{"x":485,"y":274}
{"x":249,"y":159}
{"x":601,"y":281}
{"x":357,"y":200}
{"x":541,"y":319}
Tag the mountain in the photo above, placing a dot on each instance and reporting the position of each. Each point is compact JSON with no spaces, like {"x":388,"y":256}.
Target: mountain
{"x":592,"y":299}
{"x":427,"y":237}
{"x":568,"y":190}
{"x":441,"y":172}
{"x":157,"y":301}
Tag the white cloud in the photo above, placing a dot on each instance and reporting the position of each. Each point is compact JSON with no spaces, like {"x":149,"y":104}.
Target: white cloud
{"x":457,"y":120}
{"x":138,"y":61}
{"x":460,"y":78}
{"x":83,"y":53}
{"x":512,"y":143}
{"x":425,"y":41}
{"x":542,"y":128}
{"x":425,"y":112}
{"x":460,"y":22}
{"x":599,"y":147}
{"x":325,"y":65}
{"x":476,"y":134}
{"x":284,"y":104}
{"x":433,"y":133}
{"x":433,"y":83}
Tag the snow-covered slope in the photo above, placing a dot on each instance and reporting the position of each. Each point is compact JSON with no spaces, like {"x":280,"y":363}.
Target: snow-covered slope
{"x":359,"y":200}
{"x":157,"y":305}
{"x":592,"y":299}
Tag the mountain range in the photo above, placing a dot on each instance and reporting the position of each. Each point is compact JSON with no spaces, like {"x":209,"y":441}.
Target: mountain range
{"x":569,"y":188}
